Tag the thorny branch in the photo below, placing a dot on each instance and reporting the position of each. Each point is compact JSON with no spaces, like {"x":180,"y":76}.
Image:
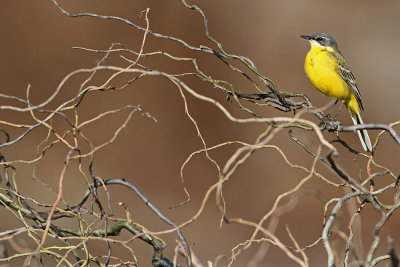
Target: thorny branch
{"x":41,"y":221}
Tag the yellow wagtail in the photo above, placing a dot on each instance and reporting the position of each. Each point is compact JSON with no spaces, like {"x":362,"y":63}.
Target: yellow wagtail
{"x":331,"y":75}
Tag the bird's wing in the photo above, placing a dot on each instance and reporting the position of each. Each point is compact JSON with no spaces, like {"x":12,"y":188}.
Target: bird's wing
{"x":347,"y":75}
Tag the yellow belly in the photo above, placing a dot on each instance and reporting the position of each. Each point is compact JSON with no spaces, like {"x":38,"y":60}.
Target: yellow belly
{"x":321,"y":68}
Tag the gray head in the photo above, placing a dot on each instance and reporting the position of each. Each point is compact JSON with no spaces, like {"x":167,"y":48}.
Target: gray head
{"x":322,"y":39}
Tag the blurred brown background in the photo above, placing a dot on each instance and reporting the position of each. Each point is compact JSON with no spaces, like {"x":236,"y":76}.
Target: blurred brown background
{"x":36,"y":49}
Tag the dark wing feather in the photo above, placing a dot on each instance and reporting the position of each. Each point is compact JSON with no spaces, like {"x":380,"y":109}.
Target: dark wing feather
{"x":347,"y":75}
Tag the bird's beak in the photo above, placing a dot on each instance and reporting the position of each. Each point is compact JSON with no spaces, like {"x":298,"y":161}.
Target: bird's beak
{"x":306,"y":37}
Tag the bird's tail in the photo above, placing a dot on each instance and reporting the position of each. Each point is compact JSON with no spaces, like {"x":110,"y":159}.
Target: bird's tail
{"x":363,"y":134}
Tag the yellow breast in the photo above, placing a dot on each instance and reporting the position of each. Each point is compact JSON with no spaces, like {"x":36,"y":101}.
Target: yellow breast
{"x":322,"y":69}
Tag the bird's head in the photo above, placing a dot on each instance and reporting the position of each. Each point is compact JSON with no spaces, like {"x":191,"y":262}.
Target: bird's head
{"x":321,"y":39}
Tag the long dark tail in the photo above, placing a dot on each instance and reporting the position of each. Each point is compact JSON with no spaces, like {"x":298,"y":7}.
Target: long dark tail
{"x":363,"y":134}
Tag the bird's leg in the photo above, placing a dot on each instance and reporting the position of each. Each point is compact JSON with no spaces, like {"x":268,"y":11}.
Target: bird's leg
{"x":339,"y":109}
{"x":331,"y":110}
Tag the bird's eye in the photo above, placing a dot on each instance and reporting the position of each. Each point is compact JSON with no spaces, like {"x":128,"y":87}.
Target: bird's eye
{"x":319,"y":39}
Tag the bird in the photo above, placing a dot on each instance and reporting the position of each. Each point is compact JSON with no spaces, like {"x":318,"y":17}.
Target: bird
{"x":330,"y":74}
